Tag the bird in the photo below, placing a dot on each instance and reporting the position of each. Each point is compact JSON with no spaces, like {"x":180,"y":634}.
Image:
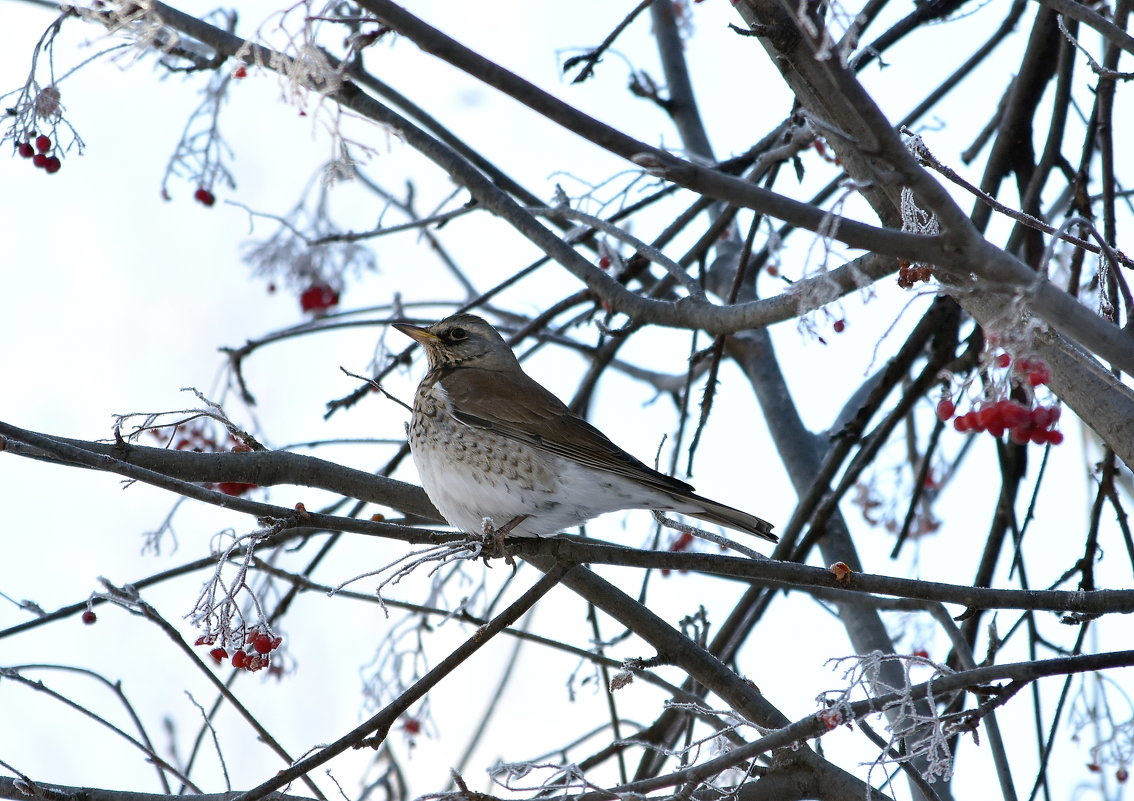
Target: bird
{"x":498,"y":453}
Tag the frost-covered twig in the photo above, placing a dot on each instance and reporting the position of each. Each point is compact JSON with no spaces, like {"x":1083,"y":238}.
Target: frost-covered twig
{"x":717,"y":539}
{"x":918,"y":733}
{"x":405,"y":564}
{"x":218,"y":611}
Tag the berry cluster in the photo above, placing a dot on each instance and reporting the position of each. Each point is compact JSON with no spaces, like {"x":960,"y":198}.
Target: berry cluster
{"x":910,"y":274}
{"x":1034,"y":371}
{"x":36,"y":149}
{"x":318,"y":297}
{"x":192,"y":436}
{"x":1022,"y":423}
{"x":253,"y":655}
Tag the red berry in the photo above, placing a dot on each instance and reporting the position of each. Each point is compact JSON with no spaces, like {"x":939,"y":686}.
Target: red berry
{"x":89,"y":617}
{"x":839,"y":326}
{"x":276,"y":642}
{"x":963,"y":423}
{"x":42,"y":143}
{"x":218,"y":655}
{"x":317,"y":298}
{"x":945,"y":409}
{"x":604,"y":262}
{"x":52,"y":165}
{"x":239,"y":660}
{"x":682,"y":543}
{"x":39,"y":160}
{"x":1054,"y":437}
{"x":1013,"y":413}
{"x":1121,"y":775}
{"x":1037,"y":371}
{"x":986,"y":417}
{"x":262,"y":643}
{"x":25,"y":150}
{"x":204,"y":197}
{"x":830,"y":718}
{"x":921,"y":652}
{"x":1003,"y":360}
{"x":412,"y":726}
{"x":235,"y":487}
{"x":1043,"y":416}
{"x":240,"y":72}
{"x":1094,"y":767}
{"x":1021,"y":434}
{"x":205,"y":639}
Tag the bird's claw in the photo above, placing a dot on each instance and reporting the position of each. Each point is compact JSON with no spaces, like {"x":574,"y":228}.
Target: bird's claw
{"x":494,"y":539}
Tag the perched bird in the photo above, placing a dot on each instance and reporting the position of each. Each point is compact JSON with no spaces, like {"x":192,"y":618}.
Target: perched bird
{"x":492,"y":444}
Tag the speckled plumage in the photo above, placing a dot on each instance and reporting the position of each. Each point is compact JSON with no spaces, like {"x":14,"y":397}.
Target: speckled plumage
{"x":491,"y":443}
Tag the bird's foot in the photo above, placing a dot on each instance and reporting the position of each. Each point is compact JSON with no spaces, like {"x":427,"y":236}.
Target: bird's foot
{"x":494,"y":538}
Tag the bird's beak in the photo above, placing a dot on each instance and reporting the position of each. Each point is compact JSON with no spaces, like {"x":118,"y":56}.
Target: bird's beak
{"x":418,"y":334}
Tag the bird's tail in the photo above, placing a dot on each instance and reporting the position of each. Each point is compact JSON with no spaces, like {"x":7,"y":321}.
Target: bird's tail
{"x":713,"y":512}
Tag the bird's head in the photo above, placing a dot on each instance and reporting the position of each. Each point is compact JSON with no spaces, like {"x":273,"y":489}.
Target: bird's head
{"x":463,"y":339}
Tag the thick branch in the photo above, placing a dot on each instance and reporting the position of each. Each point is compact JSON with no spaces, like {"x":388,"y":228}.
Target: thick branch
{"x":263,"y":468}
{"x":26,"y":790}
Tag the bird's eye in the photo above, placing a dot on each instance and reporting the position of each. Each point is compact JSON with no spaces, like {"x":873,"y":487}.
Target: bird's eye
{"x":457,"y":334}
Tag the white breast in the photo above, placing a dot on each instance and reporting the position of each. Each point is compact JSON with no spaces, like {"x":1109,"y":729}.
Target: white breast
{"x":472,"y":475}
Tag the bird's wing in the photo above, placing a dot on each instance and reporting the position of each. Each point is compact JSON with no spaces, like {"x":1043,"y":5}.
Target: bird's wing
{"x":517,"y":407}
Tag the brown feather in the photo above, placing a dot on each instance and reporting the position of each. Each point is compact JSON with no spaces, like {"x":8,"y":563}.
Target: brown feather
{"x":515,"y":406}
